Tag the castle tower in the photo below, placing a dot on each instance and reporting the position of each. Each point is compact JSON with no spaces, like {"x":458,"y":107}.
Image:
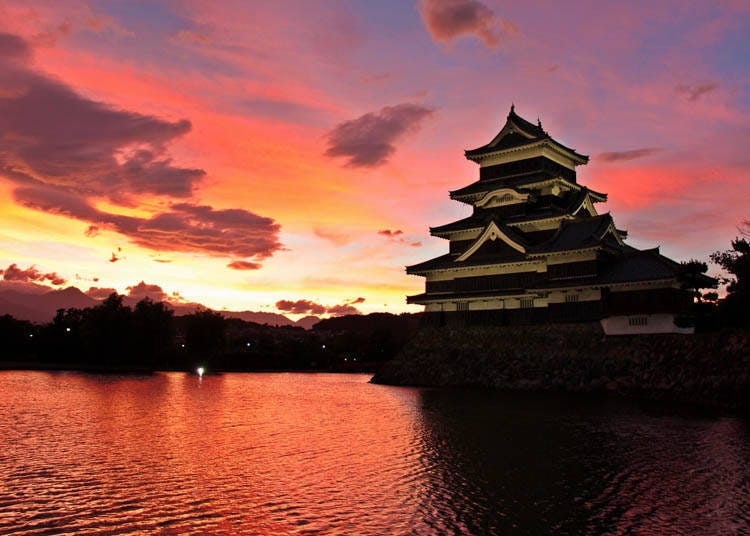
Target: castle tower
{"x":535,"y":249}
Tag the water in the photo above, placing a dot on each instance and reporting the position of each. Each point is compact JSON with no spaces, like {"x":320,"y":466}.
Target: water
{"x":331,"y":454}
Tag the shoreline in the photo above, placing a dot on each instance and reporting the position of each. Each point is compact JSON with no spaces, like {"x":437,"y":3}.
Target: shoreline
{"x":133,"y":371}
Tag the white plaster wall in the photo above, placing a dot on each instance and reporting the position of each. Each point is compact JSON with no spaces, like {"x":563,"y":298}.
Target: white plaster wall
{"x":657,"y":323}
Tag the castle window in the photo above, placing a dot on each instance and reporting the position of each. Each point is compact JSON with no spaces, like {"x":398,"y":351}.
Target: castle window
{"x":462,"y":306}
{"x":636,"y":321}
{"x":507,"y":198}
{"x":571,"y":298}
{"x":527,"y":303}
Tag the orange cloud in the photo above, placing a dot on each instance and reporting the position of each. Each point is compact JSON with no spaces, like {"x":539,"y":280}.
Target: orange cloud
{"x":31,"y":274}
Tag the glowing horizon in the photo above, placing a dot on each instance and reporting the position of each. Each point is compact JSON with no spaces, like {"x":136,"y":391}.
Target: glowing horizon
{"x":297,"y":153}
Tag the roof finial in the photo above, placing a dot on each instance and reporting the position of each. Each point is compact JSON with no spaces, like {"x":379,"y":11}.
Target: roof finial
{"x":512,"y":108}
{"x":539,"y":122}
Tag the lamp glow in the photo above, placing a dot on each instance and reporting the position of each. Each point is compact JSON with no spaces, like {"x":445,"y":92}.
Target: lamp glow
{"x":200,"y":371}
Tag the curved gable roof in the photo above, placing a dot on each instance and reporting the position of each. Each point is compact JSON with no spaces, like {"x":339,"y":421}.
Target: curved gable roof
{"x":518,"y":132}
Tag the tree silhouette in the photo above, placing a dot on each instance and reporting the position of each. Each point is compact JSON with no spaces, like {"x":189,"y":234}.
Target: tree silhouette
{"x":153,"y":324}
{"x":736,"y":262}
{"x":204,"y":335}
{"x":109,"y":333}
{"x":692,"y":274}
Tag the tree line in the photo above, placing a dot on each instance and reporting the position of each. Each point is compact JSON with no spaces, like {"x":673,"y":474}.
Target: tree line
{"x":112,"y":336}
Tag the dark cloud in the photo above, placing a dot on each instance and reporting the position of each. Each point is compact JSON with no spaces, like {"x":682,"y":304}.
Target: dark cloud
{"x":309,"y":307}
{"x":389,"y":233}
{"x":243,"y":265}
{"x":447,"y":20}
{"x":31,"y":274}
{"x":416,"y":244}
{"x":341,"y":310}
{"x":100,"y":293}
{"x":145,"y":290}
{"x":65,"y":151}
{"x":369,"y":140}
{"x":300,"y":307}
{"x":696,"y":91}
{"x":52,"y":135}
{"x":615,"y":156}
{"x":91,"y":231}
{"x":185,"y":227}
{"x":13,"y":47}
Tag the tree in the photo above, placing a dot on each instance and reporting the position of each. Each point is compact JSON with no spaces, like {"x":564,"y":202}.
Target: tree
{"x":692,"y":275}
{"x":204,"y":334}
{"x":17,"y":336}
{"x":154,"y":331}
{"x":736,"y":262}
{"x":109,"y":334}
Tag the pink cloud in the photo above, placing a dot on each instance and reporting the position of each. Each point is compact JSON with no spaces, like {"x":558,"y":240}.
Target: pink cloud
{"x":145,"y":290}
{"x":341,"y":310}
{"x":450,"y":19}
{"x":300,"y":307}
{"x":313,"y":308}
{"x":31,"y":274}
{"x":369,"y":140}
{"x":184,"y":227}
{"x":335,"y":237}
{"x":614,"y":156}
{"x":243,"y":265}
{"x":63,"y":151}
{"x":54,"y":136}
{"x":696,"y":91}
{"x":389,"y":233}
{"x":100,"y":293}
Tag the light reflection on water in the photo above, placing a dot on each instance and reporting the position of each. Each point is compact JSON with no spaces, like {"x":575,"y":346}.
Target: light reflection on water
{"x":332,"y":454}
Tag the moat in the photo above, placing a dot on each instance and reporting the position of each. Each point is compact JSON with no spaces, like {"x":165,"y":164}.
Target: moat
{"x":334,"y":454}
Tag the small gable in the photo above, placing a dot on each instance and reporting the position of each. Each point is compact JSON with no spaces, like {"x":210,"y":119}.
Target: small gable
{"x":505,"y":239}
{"x":496,"y":249}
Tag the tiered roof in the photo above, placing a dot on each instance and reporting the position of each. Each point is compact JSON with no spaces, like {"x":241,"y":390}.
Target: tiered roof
{"x":543,"y":207}
{"x":530,"y":212}
{"x":597,"y":232}
{"x":630,"y":266}
{"x":518,"y":132}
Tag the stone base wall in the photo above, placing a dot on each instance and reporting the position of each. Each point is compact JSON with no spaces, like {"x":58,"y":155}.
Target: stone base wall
{"x":707,"y":368}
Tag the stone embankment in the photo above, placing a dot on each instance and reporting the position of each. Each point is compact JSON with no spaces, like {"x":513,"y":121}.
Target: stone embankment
{"x":710,"y":369}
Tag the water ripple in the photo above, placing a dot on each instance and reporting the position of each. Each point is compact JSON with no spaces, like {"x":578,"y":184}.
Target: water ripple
{"x":331,"y":454}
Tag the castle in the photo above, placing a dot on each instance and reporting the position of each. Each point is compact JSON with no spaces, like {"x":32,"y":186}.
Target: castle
{"x":535,"y":249}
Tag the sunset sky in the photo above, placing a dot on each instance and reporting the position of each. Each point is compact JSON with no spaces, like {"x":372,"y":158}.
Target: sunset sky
{"x":290,"y":156}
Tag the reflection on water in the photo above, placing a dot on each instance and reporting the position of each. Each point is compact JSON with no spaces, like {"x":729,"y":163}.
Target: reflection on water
{"x":332,"y":454}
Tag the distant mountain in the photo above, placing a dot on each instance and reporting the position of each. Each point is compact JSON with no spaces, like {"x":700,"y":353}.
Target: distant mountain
{"x":260,"y":317}
{"x":37,"y":303}
{"x":21,"y":312}
{"x":307,"y":322}
{"x":25,"y":287}
{"x":29,"y":305}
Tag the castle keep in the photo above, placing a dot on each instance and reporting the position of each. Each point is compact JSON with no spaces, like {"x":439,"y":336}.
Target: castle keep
{"x":536,"y":250}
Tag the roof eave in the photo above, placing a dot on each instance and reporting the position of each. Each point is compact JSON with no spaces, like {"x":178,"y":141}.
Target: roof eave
{"x":475,"y":155}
